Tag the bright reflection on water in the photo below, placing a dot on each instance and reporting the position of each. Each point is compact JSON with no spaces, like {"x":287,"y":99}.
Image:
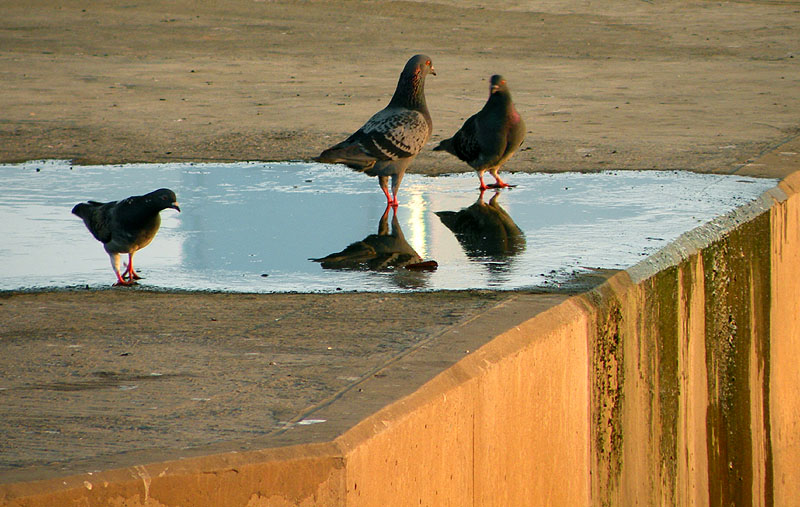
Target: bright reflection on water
{"x":254,"y":227}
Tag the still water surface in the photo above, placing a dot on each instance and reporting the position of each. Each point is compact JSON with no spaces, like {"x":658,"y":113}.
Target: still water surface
{"x":254,"y":227}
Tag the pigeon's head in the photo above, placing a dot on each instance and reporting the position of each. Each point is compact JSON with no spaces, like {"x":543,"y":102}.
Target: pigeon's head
{"x":498,"y":84}
{"x":410,"y":87}
{"x":163,"y":198}
{"x":420,"y":66}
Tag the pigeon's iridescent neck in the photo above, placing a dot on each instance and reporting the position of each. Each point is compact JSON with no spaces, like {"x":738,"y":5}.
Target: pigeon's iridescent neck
{"x":500,"y":101}
{"x":410,"y":92}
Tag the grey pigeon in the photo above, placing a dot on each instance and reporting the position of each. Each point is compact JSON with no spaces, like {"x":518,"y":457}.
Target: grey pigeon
{"x":387,"y":143}
{"x":489,"y":137}
{"x":126,"y":226}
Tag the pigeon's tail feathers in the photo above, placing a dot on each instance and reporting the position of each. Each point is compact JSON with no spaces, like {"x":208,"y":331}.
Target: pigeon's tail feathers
{"x":95,"y":216}
{"x":350,"y":155}
{"x":446,"y":145}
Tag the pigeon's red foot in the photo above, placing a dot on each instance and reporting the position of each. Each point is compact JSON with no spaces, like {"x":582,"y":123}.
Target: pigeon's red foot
{"x":390,"y":199}
{"x":501,"y":184}
{"x":130,"y":274}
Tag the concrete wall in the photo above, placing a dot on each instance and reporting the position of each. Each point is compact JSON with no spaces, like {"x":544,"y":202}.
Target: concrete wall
{"x":783,"y":381}
{"x":674,"y":383}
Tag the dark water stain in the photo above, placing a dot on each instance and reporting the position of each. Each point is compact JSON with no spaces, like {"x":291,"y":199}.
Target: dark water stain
{"x":103,"y":380}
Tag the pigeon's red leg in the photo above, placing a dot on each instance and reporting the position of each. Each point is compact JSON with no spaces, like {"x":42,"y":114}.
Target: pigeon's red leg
{"x":483,"y":185}
{"x":396,"y":179}
{"x":133,"y":275}
{"x":121,"y":281}
{"x":383,"y":181}
{"x":115,"y":267}
{"x":498,"y":182}
{"x":390,"y":201}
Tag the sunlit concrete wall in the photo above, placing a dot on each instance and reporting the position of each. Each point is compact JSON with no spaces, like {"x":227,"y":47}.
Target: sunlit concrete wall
{"x":783,"y":381}
{"x":677,"y":382}
{"x":506,"y":426}
{"x":695,"y":384}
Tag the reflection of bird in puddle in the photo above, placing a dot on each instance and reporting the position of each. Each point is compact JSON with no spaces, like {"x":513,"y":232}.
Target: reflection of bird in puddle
{"x":485,"y":230}
{"x":384,"y":251}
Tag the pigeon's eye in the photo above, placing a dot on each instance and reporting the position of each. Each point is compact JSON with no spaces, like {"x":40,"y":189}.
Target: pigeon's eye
{"x":428,"y":62}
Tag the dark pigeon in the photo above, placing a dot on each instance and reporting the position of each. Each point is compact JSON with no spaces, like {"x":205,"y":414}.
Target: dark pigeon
{"x":389,"y":141}
{"x":126,"y":226}
{"x":485,"y":229}
{"x":489,"y":137}
{"x":377,"y":252}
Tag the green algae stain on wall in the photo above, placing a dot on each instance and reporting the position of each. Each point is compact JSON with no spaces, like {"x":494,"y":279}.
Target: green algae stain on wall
{"x":662,"y":312}
{"x":737,"y":269}
{"x":607,"y":395}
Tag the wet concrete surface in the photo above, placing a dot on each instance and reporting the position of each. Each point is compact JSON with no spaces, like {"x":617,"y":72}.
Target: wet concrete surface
{"x":284,"y":227}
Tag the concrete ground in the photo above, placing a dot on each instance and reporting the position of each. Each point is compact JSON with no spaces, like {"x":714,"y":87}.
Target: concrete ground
{"x":94,"y":380}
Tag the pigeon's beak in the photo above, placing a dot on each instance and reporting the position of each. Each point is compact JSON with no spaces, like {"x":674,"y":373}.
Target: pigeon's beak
{"x":175,"y":206}
{"x":433,"y":71}
{"x":493,"y":89}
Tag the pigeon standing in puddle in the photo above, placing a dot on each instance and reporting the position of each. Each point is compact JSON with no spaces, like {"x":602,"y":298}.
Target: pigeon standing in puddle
{"x":126,"y":226}
{"x":489,"y":137}
{"x":387,"y":143}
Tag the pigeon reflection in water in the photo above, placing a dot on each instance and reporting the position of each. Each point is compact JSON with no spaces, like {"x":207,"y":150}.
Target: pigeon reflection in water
{"x":485,"y":230}
{"x":384,"y":251}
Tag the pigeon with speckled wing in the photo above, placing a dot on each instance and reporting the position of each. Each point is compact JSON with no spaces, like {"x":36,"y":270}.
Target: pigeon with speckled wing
{"x":126,"y":226}
{"x":387,"y":143}
{"x":489,"y":137}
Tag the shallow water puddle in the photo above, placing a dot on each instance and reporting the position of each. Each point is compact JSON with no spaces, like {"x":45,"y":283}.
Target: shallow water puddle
{"x":253,"y":227}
